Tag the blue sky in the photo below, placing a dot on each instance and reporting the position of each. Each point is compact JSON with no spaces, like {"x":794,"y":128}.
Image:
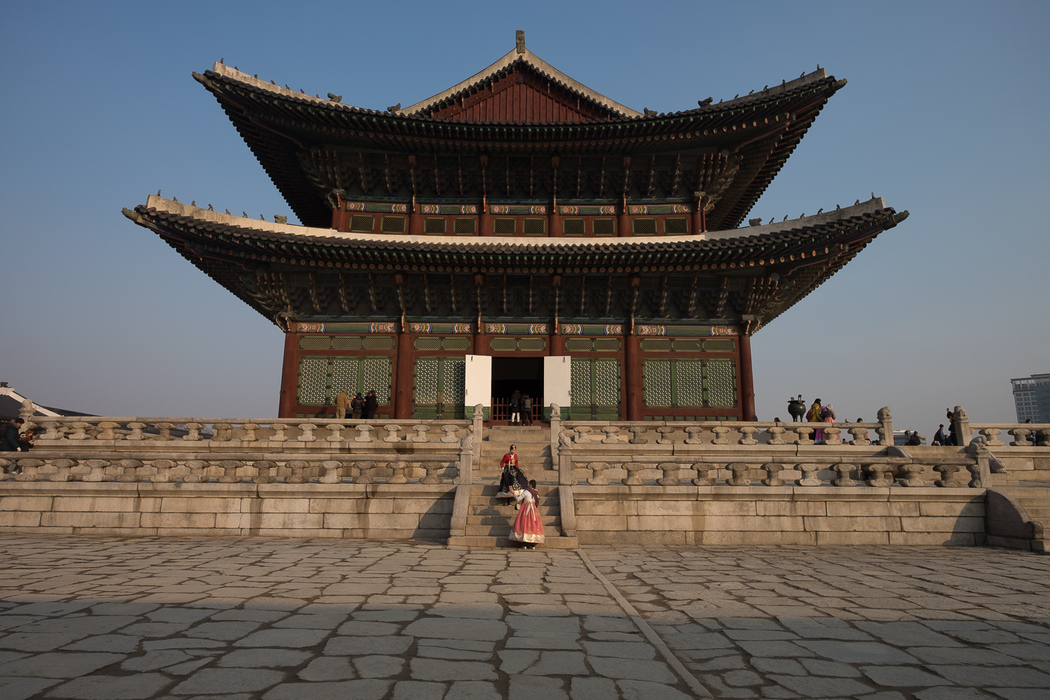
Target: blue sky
{"x":944,"y":115}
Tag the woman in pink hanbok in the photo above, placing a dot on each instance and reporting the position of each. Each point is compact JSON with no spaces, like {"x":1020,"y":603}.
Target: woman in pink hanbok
{"x":528,"y":527}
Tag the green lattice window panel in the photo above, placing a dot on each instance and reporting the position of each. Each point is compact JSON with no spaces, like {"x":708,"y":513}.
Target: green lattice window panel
{"x":594,"y":389}
{"x":439,"y":387}
{"x":689,"y":383}
{"x":321,"y":378}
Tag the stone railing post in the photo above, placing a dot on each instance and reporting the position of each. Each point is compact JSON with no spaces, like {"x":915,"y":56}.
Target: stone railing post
{"x":860,"y":436}
{"x":108,"y":430}
{"x":364,"y":432}
{"x":266,"y":472}
{"x":555,"y":439}
{"x":612,"y":435}
{"x":565,"y":475}
{"x":478,"y":428}
{"x":398,"y":473}
{"x":466,"y":460}
{"x":223,"y":432}
{"x":1021,"y":437}
{"x":831,"y":436}
{"x":229,"y":471}
{"x":298,"y":471}
{"x":421,"y":432}
{"x":961,"y":425}
{"x":885,"y":429}
{"x":432,"y":469}
{"x":776,"y":435}
{"x":694,"y":432}
{"x":330,"y":469}
{"x":991,"y":436}
{"x":248,"y":431}
{"x":278,"y":432}
{"x":306,"y":432}
{"x":193,"y":432}
{"x":335,"y":432}
{"x":392,"y":431}
{"x":747,"y":435}
{"x":880,"y":474}
{"x":803,"y":432}
{"x":720,"y":432}
{"x":365,"y":473}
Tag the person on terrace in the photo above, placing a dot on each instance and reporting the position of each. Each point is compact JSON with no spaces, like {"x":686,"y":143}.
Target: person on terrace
{"x":815,"y":416}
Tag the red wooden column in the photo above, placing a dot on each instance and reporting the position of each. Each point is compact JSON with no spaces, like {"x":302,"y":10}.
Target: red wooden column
{"x":747,"y":381}
{"x":404,"y":377}
{"x":289,"y":397}
{"x":634,"y":388}
{"x":557,"y":344}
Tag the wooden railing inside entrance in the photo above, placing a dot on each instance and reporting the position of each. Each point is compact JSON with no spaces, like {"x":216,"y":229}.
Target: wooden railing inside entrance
{"x":501,"y":410}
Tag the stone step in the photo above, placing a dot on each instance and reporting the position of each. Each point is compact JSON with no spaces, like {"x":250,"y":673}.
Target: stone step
{"x":517,"y":435}
{"x":494,"y":519}
{"x":550,"y":542}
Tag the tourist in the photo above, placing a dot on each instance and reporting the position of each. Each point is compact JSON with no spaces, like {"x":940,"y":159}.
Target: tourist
{"x":28,"y":440}
{"x":515,"y":408}
{"x":341,"y":402}
{"x":815,"y":416}
{"x":827,"y":414}
{"x":939,"y":437}
{"x":914,"y":439}
{"x":371,"y":405}
{"x":9,"y":440}
{"x":528,"y":526}
{"x":512,"y":479}
{"x":526,"y":409}
{"x":357,"y":406}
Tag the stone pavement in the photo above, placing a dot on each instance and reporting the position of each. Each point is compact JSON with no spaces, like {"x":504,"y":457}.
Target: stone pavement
{"x":109,"y":618}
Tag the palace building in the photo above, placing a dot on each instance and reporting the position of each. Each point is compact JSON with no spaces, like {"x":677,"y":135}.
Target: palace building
{"x":519,"y":231}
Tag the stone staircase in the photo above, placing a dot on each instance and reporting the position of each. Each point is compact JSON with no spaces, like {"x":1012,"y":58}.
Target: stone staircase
{"x":489,"y":519}
{"x":534,"y":452}
{"x":1018,"y":516}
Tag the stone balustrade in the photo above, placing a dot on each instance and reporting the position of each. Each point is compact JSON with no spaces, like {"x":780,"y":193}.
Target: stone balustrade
{"x":725,"y":433}
{"x":1022,"y":434}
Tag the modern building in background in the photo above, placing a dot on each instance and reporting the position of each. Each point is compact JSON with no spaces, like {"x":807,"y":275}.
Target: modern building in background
{"x":1032,"y":398}
{"x":520,"y":231}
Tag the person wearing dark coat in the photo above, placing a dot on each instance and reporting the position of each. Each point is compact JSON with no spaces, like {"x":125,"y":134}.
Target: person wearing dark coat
{"x":371,"y":405}
{"x":9,"y":441}
{"x":939,"y":437}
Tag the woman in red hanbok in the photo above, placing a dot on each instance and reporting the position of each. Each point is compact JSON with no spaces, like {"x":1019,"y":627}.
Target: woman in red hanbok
{"x":528,"y":527}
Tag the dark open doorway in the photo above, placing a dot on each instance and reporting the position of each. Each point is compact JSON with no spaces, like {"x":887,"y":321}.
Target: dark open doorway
{"x":522,"y":373}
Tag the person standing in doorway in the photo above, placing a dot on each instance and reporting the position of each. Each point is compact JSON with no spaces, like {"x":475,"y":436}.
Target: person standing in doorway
{"x":526,"y":409}
{"x":515,"y":408}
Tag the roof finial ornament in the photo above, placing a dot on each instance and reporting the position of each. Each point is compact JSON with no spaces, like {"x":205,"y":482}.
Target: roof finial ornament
{"x":220,"y":61}
{"x":649,"y":112}
{"x":394,"y":109}
{"x":210,"y":208}
{"x":335,"y":98}
{"x":519,"y":41}
{"x":193,"y":202}
{"x":705,"y":102}
{"x":820,"y":211}
{"x":158,"y":193}
{"x":280,"y":219}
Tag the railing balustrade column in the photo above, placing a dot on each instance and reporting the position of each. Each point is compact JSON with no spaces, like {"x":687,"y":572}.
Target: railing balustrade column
{"x":583,"y":434}
{"x":638,"y":435}
{"x":80,"y":429}
{"x":398,"y":477}
{"x":60,"y":469}
{"x":885,"y":429}
{"x":949,"y":476}
{"x":632,"y":478}
{"x":810,"y":475}
{"x":30,"y":469}
{"x":193,"y":432}
{"x":831,"y":436}
{"x":196,"y":471}
{"x":720,"y":432}
{"x":741,"y":474}
{"x":330,"y":472}
{"x":364,"y":433}
{"x":229,"y":471}
{"x":392,"y":432}
{"x":161,"y":471}
{"x":265,"y":471}
{"x":860,"y":436}
{"x":991,"y":436}
{"x":364,"y":473}
{"x":108,"y":431}
{"x":433,"y":476}
{"x":306,"y":432}
{"x":1021,"y":437}
{"x":223,"y":432}
{"x":747,"y":433}
{"x":95,"y":469}
{"x":421,"y":432}
{"x":612,"y":434}
{"x":164,"y":431}
{"x":703,"y":474}
{"x":598,"y":477}
{"x":279,"y":434}
{"x":880,"y":474}
{"x":775,"y":435}
{"x":694,"y":432}
{"x":670,"y":477}
{"x":450,"y":434}
{"x":335,"y":432}
{"x":773,"y":474}
{"x":843,"y":470}
{"x":248,"y":432}
{"x":127,"y":470}
{"x":665,"y":431}
{"x":914,"y":474}
{"x":803,"y":432}
{"x":298,"y":469}
{"x":51,"y":431}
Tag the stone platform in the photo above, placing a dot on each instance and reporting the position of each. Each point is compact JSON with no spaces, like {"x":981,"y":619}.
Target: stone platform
{"x":241,"y":618}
